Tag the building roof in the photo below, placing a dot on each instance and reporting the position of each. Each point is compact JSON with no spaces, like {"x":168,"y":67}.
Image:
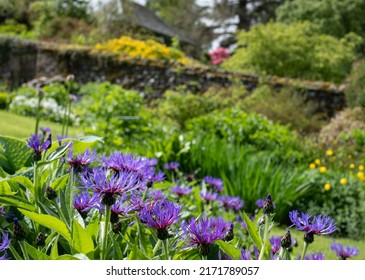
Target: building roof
{"x":146,"y":18}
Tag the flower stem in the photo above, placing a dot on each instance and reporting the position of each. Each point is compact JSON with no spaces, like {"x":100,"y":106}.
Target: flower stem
{"x":266,"y":233}
{"x":24,"y":250}
{"x":165,"y":244}
{"x":105,"y":234}
{"x":305,"y":247}
{"x":36,"y":187}
{"x":37,"y":116}
{"x":158,"y":244}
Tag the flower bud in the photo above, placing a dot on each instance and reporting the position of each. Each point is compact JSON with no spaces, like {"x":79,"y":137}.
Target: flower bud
{"x":50,"y":193}
{"x":40,"y":240}
{"x":18,"y":231}
{"x":268,"y":206}
{"x":285,"y":241}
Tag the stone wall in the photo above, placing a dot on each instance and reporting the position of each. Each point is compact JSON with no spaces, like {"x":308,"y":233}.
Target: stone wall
{"x":22,"y":61}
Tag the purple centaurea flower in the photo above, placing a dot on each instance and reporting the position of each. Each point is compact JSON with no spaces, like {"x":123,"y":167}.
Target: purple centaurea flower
{"x":180,"y":191}
{"x":313,"y":257}
{"x":81,"y":161}
{"x":275,"y":244}
{"x":163,"y":214}
{"x":172,"y":166}
{"x":260,"y":203}
{"x":344,"y":252}
{"x":83,"y":202}
{"x":205,"y":231}
{"x":108,"y":187}
{"x":4,"y":245}
{"x":318,"y":225}
{"x":35,"y":143}
{"x":217,"y":183}
{"x":231,"y":202}
{"x":208,"y":196}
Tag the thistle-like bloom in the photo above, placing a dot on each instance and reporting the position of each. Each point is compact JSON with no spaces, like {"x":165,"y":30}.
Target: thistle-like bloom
{"x":172,"y":166}
{"x":206,"y":231}
{"x":83,"y":202}
{"x":208,"y":196}
{"x":260,"y":203}
{"x":319,"y":225}
{"x":122,"y":207}
{"x":35,"y":143}
{"x":163,"y":214}
{"x":4,"y":245}
{"x":344,"y":252}
{"x":80,"y":162}
{"x":231,"y":202}
{"x":217,"y":183}
{"x":108,"y":187}
{"x":181,"y":191}
{"x":275,"y":244}
{"x":313,"y":257}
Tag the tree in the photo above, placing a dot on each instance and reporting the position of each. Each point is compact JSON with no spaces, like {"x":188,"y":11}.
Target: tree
{"x":333,"y":17}
{"x":297,"y":50}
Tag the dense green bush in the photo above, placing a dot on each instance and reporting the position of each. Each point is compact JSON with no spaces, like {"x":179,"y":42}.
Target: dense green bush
{"x":4,"y":100}
{"x":333,"y":17}
{"x":297,"y":51}
{"x":355,"y":90}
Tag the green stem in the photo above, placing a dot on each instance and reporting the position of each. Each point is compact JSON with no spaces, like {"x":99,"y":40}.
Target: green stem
{"x":204,"y":258}
{"x":305,"y":247}
{"x":69,"y":193}
{"x":105,"y":234}
{"x":63,"y":218}
{"x":37,"y":116}
{"x":165,"y":244}
{"x":68,"y":116}
{"x":266,"y":235}
{"x":24,"y":250}
{"x":36,"y":187}
{"x":158,"y":244}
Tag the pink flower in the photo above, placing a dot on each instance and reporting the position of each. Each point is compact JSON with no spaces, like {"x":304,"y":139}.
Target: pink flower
{"x":219,"y":55}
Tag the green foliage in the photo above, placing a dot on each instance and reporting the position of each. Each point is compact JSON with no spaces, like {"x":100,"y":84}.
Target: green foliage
{"x":286,"y":106}
{"x":116,"y":114}
{"x":333,"y":17}
{"x":11,"y":27}
{"x":297,"y":51}
{"x":355,"y":91}
{"x":4,"y":100}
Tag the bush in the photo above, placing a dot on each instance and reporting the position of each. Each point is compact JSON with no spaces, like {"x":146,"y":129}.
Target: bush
{"x":296,"y":51}
{"x":4,"y":100}
{"x":286,"y":107}
{"x":355,"y":91}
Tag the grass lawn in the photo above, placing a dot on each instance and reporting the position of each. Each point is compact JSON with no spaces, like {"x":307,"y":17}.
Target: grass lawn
{"x":322,"y":244}
{"x":22,"y":127}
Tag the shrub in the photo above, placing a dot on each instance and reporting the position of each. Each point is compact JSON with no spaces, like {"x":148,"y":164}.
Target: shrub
{"x":355,"y":91}
{"x":4,"y":100}
{"x":296,"y":51}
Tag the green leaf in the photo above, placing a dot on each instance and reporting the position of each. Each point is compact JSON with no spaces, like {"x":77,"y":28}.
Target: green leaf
{"x":59,"y":183}
{"x":87,"y":142}
{"x":22,"y":180}
{"x":253,"y":231}
{"x":16,"y":201}
{"x":187,"y":254}
{"x":54,"y":250}
{"x":230,"y":250}
{"x":35,"y":253}
{"x":5,"y":189}
{"x":144,"y":243}
{"x":14,"y":154}
{"x":67,"y":258}
{"x":81,"y":240}
{"x":49,"y":222}
{"x":136,"y":253}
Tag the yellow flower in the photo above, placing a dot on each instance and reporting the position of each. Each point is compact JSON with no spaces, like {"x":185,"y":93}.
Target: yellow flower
{"x":329,"y":153}
{"x":322,"y":169}
{"x":327,"y":186}
{"x":317,"y":161}
{"x":361,"y":167}
{"x":343,"y":181}
{"x":312,"y":166}
{"x":352,"y":165}
{"x":360,"y":175}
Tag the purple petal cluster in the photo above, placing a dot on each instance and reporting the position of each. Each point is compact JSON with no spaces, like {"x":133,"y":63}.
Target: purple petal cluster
{"x":319,"y":225}
{"x":81,"y":161}
{"x":231,"y":202}
{"x":172,"y":166}
{"x":83,"y":202}
{"x":181,"y":191}
{"x":275,"y":244}
{"x":4,"y":245}
{"x":344,"y":252}
{"x":208,"y":196}
{"x":206,"y":231}
{"x":35,"y":143}
{"x":217,"y":183}
{"x":313,"y":257}
{"x":122,"y":206}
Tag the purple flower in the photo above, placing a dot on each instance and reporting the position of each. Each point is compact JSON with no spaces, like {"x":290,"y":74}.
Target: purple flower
{"x":4,"y":245}
{"x":344,"y":252}
{"x":181,"y":191}
{"x":313,"y":257}
{"x":231,"y":202}
{"x":275,"y":244}
{"x":260,"y":203}
{"x":81,"y":161}
{"x":108,"y":187}
{"x":122,"y":206}
{"x":319,"y":225}
{"x":172,"y":166}
{"x":205,"y":231}
{"x":163,"y":214}
{"x":35,"y":143}
{"x":83,"y":202}
{"x":208,"y":196}
{"x":214,"y":182}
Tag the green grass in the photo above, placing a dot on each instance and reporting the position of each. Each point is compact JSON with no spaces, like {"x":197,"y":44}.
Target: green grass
{"x":322,"y":244}
{"x":22,"y":127}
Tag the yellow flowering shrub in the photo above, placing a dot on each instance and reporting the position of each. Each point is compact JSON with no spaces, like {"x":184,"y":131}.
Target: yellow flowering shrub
{"x":149,"y":49}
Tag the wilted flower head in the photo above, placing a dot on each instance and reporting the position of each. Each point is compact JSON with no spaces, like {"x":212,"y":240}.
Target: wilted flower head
{"x":107,"y":186}
{"x":319,"y":225}
{"x":35,"y":143}
{"x":80,"y":162}
{"x":163,"y":214}
{"x":205,"y":231}
{"x":231,"y":202}
{"x":344,"y":252}
{"x":217,"y":183}
{"x":83,"y":202}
